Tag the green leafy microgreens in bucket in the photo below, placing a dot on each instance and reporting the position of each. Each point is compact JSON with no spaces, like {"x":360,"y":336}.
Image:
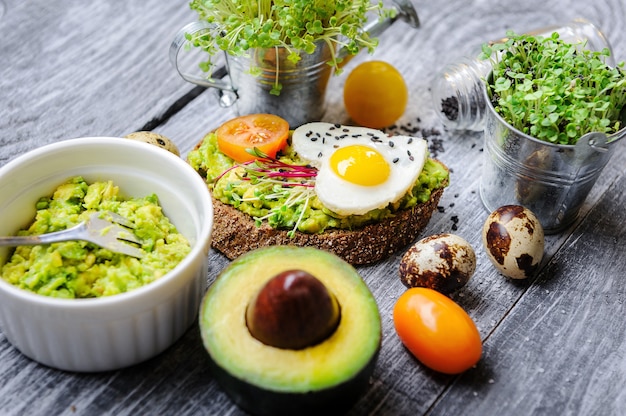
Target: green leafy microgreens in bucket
{"x":297,"y":25}
{"x":293,"y":185}
{"x":553,"y":90}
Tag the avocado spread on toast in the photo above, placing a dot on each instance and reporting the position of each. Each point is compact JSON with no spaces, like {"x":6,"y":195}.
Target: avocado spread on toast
{"x":287,"y":202}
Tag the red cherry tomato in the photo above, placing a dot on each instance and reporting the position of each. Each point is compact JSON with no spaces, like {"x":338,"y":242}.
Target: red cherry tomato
{"x":437,"y":331}
{"x":266,"y":132}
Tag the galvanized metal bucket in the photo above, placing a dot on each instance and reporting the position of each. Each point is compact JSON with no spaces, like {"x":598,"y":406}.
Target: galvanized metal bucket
{"x":303,"y":95}
{"x":551,"y":180}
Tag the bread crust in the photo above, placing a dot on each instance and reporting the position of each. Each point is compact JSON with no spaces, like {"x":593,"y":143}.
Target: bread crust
{"x":235,"y":233}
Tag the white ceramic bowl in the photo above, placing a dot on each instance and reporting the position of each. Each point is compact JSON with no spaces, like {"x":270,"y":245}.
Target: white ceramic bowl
{"x":121,"y":330}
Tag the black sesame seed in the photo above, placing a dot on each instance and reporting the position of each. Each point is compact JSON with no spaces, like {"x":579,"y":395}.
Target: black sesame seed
{"x":319,"y":154}
{"x":346,"y":130}
{"x":328,"y":134}
{"x":332,"y":127}
{"x":313,"y":139}
{"x":410,"y":140}
{"x":369,"y":133}
{"x":337,"y":125}
{"x":395,"y":159}
{"x":309,"y":133}
{"x":391,"y":144}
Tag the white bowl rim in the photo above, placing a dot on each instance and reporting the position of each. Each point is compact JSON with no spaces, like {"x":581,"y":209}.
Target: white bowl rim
{"x":135,"y":293}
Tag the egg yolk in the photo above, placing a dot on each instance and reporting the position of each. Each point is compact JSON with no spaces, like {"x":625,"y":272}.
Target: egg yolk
{"x":360,"y":165}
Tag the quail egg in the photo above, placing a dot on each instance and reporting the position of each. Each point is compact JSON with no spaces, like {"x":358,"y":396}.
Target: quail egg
{"x":514,"y":241}
{"x":443,"y":262}
{"x":155,"y":139}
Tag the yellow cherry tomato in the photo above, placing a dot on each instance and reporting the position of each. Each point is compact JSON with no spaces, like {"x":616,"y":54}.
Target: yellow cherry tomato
{"x":437,"y":331}
{"x":375,"y":94}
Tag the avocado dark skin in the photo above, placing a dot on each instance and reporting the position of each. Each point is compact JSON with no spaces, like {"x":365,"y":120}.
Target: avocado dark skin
{"x":252,"y":320}
{"x":333,"y":401}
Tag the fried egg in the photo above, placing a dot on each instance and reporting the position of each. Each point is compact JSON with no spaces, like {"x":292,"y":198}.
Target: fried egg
{"x":359,"y":169}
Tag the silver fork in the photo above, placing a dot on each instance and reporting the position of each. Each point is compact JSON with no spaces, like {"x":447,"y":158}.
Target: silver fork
{"x":113,"y":234}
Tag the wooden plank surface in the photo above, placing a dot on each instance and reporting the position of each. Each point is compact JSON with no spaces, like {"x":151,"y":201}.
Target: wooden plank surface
{"x":553,"y":345}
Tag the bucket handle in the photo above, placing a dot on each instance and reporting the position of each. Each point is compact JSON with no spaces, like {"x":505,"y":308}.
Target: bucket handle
{"x":584,"y":148}
{"x":177,"y":44}
{"x":405,"y":11}
{"x":589,"y":143}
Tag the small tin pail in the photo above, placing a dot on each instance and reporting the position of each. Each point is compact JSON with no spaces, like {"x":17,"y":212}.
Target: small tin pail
{"x":549,"y":179}
{"x":302,"y":97}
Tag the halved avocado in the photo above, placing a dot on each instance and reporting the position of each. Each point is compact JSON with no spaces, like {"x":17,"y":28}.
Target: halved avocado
{"x":325,"y":378}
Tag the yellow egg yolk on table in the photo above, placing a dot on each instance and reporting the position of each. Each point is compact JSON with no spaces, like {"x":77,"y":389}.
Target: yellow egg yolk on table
{"x":375,"y":94}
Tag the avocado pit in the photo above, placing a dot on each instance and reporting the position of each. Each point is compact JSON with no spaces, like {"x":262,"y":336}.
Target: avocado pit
{"x":293,"y":310}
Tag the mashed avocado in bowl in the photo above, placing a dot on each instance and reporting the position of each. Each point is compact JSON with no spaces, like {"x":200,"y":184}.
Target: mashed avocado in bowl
{"x":78,"y":269}
{"x":106,"y":332}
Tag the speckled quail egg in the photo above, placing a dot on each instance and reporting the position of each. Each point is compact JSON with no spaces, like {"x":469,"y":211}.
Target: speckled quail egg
{"x":155,"y":139}
{"x":443,"y":262}
{"x":514,"y":241}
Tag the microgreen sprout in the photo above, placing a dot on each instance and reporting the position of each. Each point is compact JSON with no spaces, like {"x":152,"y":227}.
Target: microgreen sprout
{"x":553,"y":90}
{"x":291,"y":185}
{"x":296,"y":25}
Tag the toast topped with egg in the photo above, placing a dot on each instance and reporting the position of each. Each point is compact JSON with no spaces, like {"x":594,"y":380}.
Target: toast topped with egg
{"x":352,"y":191}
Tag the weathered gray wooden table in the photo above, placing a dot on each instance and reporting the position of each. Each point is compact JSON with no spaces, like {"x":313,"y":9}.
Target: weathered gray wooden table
{"x":553,"y":345}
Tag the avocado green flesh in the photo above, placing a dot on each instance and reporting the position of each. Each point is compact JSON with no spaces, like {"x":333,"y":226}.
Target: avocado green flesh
{"x":230,"y":189}
{"x":334,"y":361}
{"x":78,"y":269}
